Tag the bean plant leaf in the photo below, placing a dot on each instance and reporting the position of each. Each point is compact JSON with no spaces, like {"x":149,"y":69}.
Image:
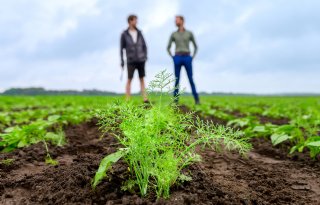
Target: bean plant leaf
{"x":51,"y":161}
{"x":105,"y":164}
{"x":56,"y":138}
{"x":259,"y":129}
{"x":239,"y":122}
{"x":314,"y":144}
{"x":53,"y":118}
{"x":279,"y":138}
{"x":9,"y":129}
{"x":293,"y":149}
{"x":285,"y":128}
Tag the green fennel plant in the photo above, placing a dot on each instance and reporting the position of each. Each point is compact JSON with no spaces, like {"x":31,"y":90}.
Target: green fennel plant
{"x":159,"y":141}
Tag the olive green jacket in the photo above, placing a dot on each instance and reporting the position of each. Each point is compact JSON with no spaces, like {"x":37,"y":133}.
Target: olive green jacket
{"x":182,"y":41}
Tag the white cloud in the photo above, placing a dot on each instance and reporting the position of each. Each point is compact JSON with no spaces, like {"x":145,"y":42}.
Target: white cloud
{"x":49,"y":20}
{"x":245,"y":46}
{"x":259,"y":83}
{"x":90,"y":70}
{"x":159,"y":13}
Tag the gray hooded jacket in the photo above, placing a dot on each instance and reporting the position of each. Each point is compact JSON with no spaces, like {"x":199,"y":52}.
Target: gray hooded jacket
{"x":136,"y":52}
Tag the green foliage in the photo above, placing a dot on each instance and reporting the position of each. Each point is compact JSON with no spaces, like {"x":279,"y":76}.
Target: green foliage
{"x":51,"y":161}
{"x":35,"y":132}
{"x":29,"y":120}
{"x":312,"y":143}
{"x":105,"y":165}
{"x":160,"y":141}
{"x":7,"y":162}
{"x":279,"y":138}
{"x":57,"y":139}
{"x":18,"y":137}
{"x":301,"y":113}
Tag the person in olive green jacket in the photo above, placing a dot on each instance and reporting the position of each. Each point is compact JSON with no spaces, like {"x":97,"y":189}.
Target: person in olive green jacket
{"x":182,"y":56}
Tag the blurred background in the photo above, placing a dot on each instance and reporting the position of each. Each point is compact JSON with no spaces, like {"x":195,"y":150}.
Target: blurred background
{"x":261,"y":47}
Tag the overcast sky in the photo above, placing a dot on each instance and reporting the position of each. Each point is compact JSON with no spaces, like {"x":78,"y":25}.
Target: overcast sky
{"x":253,"y":46}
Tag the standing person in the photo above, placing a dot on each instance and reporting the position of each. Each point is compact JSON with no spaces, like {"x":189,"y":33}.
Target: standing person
{"x":182,"y":57}
{"x":136,"y":51}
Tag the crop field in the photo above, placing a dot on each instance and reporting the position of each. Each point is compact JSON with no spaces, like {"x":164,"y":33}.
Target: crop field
{"x":104,"y":150}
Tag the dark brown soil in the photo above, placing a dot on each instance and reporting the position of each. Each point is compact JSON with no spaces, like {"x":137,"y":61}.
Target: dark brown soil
{"x":18,"y":109}
{"x":237,"y":113}
{"x":275,"y":121}
{"x":261,"y":178}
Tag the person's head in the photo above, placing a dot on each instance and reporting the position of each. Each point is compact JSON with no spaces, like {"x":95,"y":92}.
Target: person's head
{"x":132,"y":20}
{"x":179,"y":20}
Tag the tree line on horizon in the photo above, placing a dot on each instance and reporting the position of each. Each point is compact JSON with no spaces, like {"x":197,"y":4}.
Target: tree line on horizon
{"x":34,"y":91}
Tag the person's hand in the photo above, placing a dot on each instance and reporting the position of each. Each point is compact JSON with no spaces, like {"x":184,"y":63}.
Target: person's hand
{"x":122,"y":64}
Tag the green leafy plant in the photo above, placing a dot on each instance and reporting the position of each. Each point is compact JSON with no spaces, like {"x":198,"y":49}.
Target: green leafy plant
{"x":26,"y":135}
{"x":312,"y":143}
{"x":159,"y":141}
{"x":106,"y":163}
{"x":7,"y":162}
{"x":294,"y":121}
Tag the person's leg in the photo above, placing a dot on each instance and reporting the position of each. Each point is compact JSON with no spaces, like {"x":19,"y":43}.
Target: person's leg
{"x":131,"y":68}
{"x":177,"y":69}
{"x":128,"y":89}
{"x":142,"y":74}
{"x":143,"y":90}
{"x":188,"y":65}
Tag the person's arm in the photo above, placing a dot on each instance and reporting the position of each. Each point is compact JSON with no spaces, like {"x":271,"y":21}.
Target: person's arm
{"x":122,"y":46}
{"x":145,"y":48}
{"x":195,"y":46}
{"x":169,"y":45}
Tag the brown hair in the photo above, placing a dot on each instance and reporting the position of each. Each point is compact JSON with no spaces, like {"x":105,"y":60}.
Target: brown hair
{"x":132,"y":17}
{"x":180,"y":17}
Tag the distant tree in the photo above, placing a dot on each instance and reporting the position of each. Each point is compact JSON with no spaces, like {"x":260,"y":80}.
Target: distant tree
{"x":42,"y":91}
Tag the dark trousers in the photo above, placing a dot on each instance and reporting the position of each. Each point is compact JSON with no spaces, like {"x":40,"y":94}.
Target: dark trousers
{"x":132,"y":66}
{"x":186,"y":61}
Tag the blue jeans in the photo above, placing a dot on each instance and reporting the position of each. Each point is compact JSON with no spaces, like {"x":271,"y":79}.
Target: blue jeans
{"x":186,"y":61}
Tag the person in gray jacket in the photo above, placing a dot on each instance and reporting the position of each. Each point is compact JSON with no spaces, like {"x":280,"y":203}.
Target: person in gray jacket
{"x":133,"y":42}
